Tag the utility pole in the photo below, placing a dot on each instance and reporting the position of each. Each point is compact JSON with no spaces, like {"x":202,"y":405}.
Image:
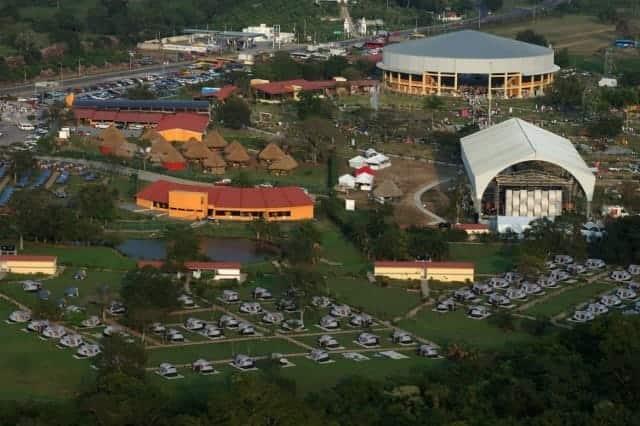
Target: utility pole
{"x":79,"y":66}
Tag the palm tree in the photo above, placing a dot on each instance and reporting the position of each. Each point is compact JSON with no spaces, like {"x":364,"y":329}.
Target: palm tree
{"x":433,"y":104}
{"x":103,"y":296}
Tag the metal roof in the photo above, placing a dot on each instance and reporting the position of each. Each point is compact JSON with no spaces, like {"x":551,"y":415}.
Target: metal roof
{"x":141,"y":104}
{"x":490,"y":151}
{"x":468,"y":44}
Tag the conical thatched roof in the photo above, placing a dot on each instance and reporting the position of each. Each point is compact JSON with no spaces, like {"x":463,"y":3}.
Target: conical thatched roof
{"x":286,"y":163}
{"x":173,"y":157}
{"x":214,"y":161}
{"x":214,"y":140}
{"x":160,"y":149}
{"x":387,"y":189}
{"x":125,"y":150}
{"x":151,"y":135}
{"x":236,"y":153}
{"x":111,"y":137}
{"x":194,"y":150}
{"x":271,"y":152}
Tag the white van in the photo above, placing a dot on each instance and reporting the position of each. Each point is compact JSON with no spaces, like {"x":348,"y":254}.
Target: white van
{"x":25,"y":126}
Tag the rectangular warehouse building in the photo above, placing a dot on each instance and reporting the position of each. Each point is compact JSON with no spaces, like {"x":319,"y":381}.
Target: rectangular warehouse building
{"x":421,"y":270}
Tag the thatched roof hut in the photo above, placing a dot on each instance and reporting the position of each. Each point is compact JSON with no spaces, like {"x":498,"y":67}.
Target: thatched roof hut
{"x":271,"y":153}
{"x":214,"y":163}
{"x":236,"y":153}
{"x":160,"y":149}
{"x":110,"y":139}
{"x":173,"y":160}
{"x":214,"y":140}
{"x":125,"y":150}
{"x":151,"y":135}
{"x":387,"y":190}
{"x":194,"y":150}
{"x":284,"y":165}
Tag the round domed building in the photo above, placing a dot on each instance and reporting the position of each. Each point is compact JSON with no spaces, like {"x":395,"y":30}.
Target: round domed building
{"x":468,"y":62}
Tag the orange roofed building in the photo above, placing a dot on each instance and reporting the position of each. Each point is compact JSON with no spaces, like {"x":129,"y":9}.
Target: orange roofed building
{"x":196,"y":202}
{"x":421,"y":270}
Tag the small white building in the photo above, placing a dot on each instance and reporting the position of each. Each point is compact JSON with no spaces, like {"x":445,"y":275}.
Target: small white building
{"x":271,"y":33}
{"x":608,"y":82}
{"x":347,"y":181}
{"x":357,"y":162}
{"x":379,"y":162}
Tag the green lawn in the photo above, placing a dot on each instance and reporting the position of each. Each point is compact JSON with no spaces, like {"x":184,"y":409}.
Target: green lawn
{"x":455,"y":327}
{"x":81,"y":256}
{"x":568,"y":299}
{"x":489,"y":258}
{"x":32,"y":368}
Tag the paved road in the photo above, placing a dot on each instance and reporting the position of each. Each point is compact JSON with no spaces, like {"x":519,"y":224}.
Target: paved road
{"x":417,"y":199}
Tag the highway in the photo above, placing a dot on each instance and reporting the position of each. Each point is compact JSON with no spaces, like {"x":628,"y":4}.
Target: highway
{"x":25,"y":89}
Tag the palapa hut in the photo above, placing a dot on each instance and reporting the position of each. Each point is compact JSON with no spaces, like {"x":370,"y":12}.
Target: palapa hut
{"x":284,"y":165}
{"x":110,"y":138}
{"x":125,"y":150}
{"x":174,"y":161}
{"x":152,"y":136}
{"x":271,"y":153}
{"x":237,"y":155}
{"x":215,"y":141}
{"x":159,"y":149}
{"x":387,"y":191}
{"x":195,"y":151}
{"x":214,"y":163}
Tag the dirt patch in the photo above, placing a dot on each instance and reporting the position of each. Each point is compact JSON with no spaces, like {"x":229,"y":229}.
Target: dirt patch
{"x":410,"y":176}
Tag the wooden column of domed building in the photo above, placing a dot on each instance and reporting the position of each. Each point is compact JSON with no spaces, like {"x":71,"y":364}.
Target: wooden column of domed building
{"x":214,"y":163}
{"x":237,"y":155}
{"x":214,"y":141}
{"x":270,"y":154}
{"x":283,"y":166}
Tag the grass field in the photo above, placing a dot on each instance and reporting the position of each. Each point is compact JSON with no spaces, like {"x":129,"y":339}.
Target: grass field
{"x":32,"y":369}
{"x":568,"y":299}
{"x":489,"y":258}
{"x":455,"y":327}
{"x":81,"y":256}
{"x":582,"y":35}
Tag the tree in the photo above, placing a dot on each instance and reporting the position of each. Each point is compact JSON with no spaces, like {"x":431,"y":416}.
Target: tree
{"x":433,"y":103}
{"x":332,"y":170}
{"x":140,"y":92}
{"x":566,"y":92}
{"x":96,"y":202}
{"x":607,"y":126}
{"x":23,"y":162}
{"x":120,"y":356}
{"x":563,"y":59}
{"x":311,"y":105}
{"x":235,"y":113}
{"x":265,"y":231}
{"x":532,"y":37}
{"x":426,"y":243}
{"x":183,"y":244}
{"x":493,"y":5}
{"x":304,"y":282}
{"x":303,"y":244}
{"x":318,"y":136}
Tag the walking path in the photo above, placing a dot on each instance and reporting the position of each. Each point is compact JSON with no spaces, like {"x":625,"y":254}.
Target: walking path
{"x":417,"y":199}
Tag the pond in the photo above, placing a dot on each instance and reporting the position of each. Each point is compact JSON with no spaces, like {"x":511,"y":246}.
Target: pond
{"x":217,"y":249}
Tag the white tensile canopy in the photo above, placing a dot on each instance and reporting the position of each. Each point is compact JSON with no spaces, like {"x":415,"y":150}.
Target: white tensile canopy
{"x":357,"y":162}
{"x":490,"y":151}
{"x":347,"y":181}
{"x":364,"y":179}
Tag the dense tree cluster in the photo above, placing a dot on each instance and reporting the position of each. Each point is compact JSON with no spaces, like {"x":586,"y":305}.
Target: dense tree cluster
{"x":530,"y":36}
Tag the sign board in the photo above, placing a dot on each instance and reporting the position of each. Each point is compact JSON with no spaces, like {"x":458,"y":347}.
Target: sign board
{"x":350,"y":205}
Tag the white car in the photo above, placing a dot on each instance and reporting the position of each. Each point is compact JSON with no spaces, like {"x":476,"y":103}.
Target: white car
{"x":37,"y":325}
{"x":262,"y":293}
{"x":320,"y":301}
{"x":402,"y":337}
{"x":212,"y":331}
{"x":110,"y":330}
{"x":576,"y":269}
{"x":547,"y":282}
{"x":464,"y":294}
{"x":230,"y":296}
{"x":595,"y":263}
{"x":583,"y":316}
{"x":20,"y":316}
{"x":293,"y":325}
{"x":158,"y":328}
{"x":516,"y":294}
{"x":361,"y":320}
{"x":102,"y":125}
{"x":194,"y":324}
{"x":634,"y":269}
{"x":368,"y":339}
{"x":626,"y":293}
{"x":597,"y":309}
{"x":329,"y":322}
{"x":620,"y":275}
{"x":481,"y":288}
{"x":610,"y":301}
{"x":88,"y":351}
{"x":532,"y":288}
{"x":513,"y":277}
{"x":202,"y":366}
{"x":246,"y":329}
{"x":498,"y":283}
{"x":559,"y":275}
{"x":243,"y":362}
{"x":25,"y":126}
{"x":31,"y":286}
{"x":273,"y":318}
{"x":186,"y":301}
{"x":227,"y":321}
{"x":428,"y":351}
{"x":328,"y":342}
{"x":71,"y":341}
{"x":319,"y":356}
{"x":167,"y":370}
{"x":498,"y":299}
{"x":340,"y":311}
{"x":116,"y":308}
{"x":478,"y":312}
{"x":563,"y":259}
{"x":54,"y":332}
{"x":92,"y":321}
{"x":251,"y":308}
{"x":174,"y":335}
{"x":447,"y":305}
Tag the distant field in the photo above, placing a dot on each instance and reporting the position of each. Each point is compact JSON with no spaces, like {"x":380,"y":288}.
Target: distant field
{"x":569,"y":299}
{"x":582,"y":35}
{"x":489,"y":258}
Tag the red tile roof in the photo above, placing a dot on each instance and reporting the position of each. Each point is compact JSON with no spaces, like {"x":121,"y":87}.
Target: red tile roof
{"x":184,"y":120}
{"x":423,"y":264}
{"x":222,"y":94}
{"x":365,"y":169}
{"x":118,"y":116}
{"x":28,"y":258}
{"x":203,"y":266}
{"x":228,"y":197}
